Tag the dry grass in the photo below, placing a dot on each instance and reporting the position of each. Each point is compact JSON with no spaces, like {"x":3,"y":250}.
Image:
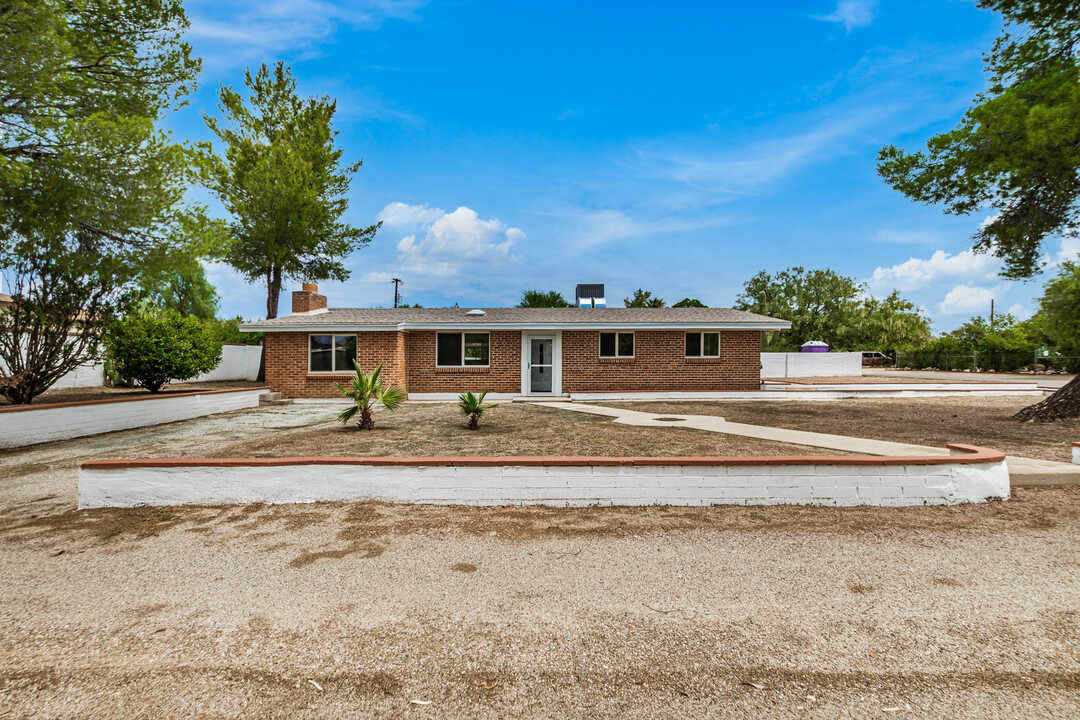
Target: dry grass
{"x":432,"y":430}
{"x":985,"y":421}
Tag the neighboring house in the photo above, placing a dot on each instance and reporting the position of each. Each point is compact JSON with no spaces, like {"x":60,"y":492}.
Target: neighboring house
{"x":437,"y":353}
{"x":5,"y":300}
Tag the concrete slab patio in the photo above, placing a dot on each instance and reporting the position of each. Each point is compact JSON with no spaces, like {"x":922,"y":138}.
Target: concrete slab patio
{"x":1022,"y":471}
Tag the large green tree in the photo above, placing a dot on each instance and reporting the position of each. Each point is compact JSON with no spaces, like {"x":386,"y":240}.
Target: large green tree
{"x":643,"y":299}
{"x":824,"y":305}
{"x":180,"y":286}
{"x":92,"y":189}
{"x":1059,"y":309}
{"x":1016,"y":151}
{"x":283,"y":183}
{"x":543,"y":299}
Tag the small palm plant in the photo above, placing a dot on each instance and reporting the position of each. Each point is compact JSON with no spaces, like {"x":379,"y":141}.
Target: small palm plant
{"x":367,"y":390}
{"x":473,"y":406}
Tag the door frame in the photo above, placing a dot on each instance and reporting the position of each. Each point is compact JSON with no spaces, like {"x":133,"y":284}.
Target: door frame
{"x":556,"y":362}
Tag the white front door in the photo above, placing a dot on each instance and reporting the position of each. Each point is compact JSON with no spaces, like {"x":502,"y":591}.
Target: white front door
{"x":540,"y":365}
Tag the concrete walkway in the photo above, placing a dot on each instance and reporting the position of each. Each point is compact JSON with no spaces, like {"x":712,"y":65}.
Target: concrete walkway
{"x":1022,"y":471}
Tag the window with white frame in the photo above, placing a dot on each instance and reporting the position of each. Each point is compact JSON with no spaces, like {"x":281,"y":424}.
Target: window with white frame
{"x":462,"y":349}
{"x":702,"y":344}
{"x":331,"y":353}
{"x":616,"y":344}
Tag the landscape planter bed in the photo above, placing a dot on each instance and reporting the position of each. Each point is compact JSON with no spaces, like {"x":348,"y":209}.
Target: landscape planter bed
{"x":22,"y":425}
{"x":970,"y":474}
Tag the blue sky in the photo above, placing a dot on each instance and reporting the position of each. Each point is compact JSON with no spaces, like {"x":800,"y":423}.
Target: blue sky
{"x":678,"y":147}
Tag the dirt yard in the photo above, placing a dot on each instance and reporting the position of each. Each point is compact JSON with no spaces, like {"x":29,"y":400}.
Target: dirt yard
{"x":507,"y":429}
{"x":373,"y":610}
{"x":985,"y":421}
{"x":104,"y":393}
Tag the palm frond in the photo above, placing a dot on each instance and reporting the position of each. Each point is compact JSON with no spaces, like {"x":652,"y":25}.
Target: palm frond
{"x":348,"y":413}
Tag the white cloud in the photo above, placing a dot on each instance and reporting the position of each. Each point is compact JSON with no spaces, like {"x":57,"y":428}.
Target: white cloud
{"x":907,"y":237}
{"x":852,"y":13}
{"x":917,"y":272}
{"x":963,"y":299}
{"x":567,"y":114}
{"x":1019,"y":312}
{"x":399,"y":214}
{"x":241,"y":29}
{"x":449,"y":245}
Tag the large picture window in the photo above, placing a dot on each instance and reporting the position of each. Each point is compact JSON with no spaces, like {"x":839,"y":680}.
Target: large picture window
{"x":331,"y":353}
{"x":462,"y":349}
{"x":702,"y":345}
{"x":616,"y":345}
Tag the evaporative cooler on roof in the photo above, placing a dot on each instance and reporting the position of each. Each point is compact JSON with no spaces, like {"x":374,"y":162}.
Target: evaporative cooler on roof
{"x":590,"y":295}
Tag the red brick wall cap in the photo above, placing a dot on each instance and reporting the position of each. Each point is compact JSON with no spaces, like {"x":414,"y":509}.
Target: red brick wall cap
{"x":971,"y":455}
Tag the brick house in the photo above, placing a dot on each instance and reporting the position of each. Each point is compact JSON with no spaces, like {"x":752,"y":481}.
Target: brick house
{"x":436,"y":353}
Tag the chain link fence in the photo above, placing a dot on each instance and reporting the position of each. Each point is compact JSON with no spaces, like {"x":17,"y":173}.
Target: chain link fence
{"x":999,"y":361}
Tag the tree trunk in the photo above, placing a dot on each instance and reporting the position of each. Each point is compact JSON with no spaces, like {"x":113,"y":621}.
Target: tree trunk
{"x":273,"y":292}
{"x":474,"y":422}
{"x":367,"y":422}
{"x":1062,"y":405}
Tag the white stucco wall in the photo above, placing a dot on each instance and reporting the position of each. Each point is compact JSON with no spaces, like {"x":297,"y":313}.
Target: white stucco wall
{"x":19,"y":427}
{"x":831,"y":364}
{"x":238,"y":362}
{"x":826,"y":484}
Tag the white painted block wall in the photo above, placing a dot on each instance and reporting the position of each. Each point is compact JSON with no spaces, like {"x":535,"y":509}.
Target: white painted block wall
{"x":31,"y":426}
{"x":792,"y":365}
{"x":886,"y":485}
{"x":238,"y":362}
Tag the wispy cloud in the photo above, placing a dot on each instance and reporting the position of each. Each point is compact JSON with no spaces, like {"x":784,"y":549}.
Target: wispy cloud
{"x":758,"y":164}
{"x":236,"y":31}
{"x":567,"y":114}
{"x":852,"y":13}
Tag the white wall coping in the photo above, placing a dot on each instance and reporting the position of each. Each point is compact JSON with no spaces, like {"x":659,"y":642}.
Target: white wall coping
{"x":23,"y":425}
{"x":971,"y":475}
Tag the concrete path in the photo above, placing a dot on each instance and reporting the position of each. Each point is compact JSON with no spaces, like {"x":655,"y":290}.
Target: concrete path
{"x":1022,"y":471}
{"x":1051,"y":382}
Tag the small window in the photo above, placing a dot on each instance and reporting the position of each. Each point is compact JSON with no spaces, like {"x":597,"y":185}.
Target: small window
{"x":331,"y":353}
{"x":616,"y":345}
{"x":458,"y":349}
{"x":702,"y":345}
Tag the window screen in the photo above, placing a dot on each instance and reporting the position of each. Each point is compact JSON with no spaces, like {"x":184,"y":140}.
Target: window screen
{"x":321,"y":350}
{"x":448,"y":349}
{"x":616,"y":344}
{"x":476,"y":348}
{"x":702,"y":344}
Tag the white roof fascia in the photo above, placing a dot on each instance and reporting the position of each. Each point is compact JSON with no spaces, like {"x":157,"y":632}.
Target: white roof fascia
{"x":482,"y":327}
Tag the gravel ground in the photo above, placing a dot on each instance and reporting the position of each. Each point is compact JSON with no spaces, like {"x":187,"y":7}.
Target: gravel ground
{"x":105,"y":393}
{"x":373,"y":610}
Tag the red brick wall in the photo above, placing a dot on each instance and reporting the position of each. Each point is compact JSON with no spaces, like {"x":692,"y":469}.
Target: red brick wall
{"x":307,"y":300}
{"x":503,"y":375}
{"x":659,"y":364}
{"x":287,"y":363}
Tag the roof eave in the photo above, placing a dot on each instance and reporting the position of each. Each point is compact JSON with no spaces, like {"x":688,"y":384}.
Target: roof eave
{"x":406,"y":326}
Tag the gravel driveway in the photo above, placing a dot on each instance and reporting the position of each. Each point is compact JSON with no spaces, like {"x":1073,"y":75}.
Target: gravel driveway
{"x":374,"y":610}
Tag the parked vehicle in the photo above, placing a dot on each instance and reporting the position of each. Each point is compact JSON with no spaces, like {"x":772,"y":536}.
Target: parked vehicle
{"x":875,"y":359}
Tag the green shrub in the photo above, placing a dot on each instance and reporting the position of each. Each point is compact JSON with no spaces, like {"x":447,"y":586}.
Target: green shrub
{"x":154,"y":349}
{"x":228,"y":331}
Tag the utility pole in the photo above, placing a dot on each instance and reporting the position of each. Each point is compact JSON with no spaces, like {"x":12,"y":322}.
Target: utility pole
{"x":991,"y":314}
{"x":397,"y":296}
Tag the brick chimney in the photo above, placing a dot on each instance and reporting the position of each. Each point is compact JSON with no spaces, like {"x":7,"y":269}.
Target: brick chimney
{"x":308,"y":299}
